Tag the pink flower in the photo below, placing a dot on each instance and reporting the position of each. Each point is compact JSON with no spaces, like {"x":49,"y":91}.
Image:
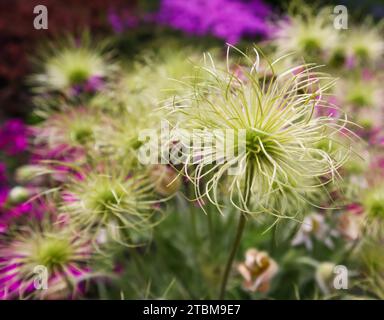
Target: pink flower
{"x":258,"y":270}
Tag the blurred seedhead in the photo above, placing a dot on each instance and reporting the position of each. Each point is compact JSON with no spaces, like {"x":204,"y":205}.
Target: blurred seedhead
{"x":154,"y":77}
{"x":363,"y":44}
{"x":371,"y":201}
{"x":72,"y":130}
{"x":371,"y":255}
{"x":111,"y":203}
{"x":44,"y":244}
{"x":72,"y":67}
{"x":308,"y":31}
{"x":362,"y":97}
{"x":121,"y":138}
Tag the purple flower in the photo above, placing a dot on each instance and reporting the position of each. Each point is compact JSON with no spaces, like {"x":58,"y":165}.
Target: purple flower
{"x":115,"y":21}
{"x":13,"y":137}
{"x":94,"y":84}
{"x":225,"y":19}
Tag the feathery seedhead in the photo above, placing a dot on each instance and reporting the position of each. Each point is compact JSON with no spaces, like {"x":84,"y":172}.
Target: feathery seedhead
{"x":275,"y":116}
{"x":120,"y":139}
{"x":110,"y":201}
{"x":362,"y":97}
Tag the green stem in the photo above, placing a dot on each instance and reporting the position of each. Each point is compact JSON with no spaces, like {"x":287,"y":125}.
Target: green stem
{"x":235,"y":246}
{"x":239,"y":234}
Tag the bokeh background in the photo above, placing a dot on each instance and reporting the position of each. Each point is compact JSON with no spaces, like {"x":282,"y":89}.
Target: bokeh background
{"x":19,"y":39}
{"x":183,"y":261}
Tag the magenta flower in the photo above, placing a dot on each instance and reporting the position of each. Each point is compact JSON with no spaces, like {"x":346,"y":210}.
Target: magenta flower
{"x":330,"y":109}
{"x":3,"y":178}
{"x":3,"y":197}
{"x":13,"y":137}
{"x":4,"y":190}
{"x":94,"y":84}
{"x":10,"y":213}
{"x":3,"y":219}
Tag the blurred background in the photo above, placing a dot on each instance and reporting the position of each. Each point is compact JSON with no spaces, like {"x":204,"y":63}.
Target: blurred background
{"x":134,"y":23}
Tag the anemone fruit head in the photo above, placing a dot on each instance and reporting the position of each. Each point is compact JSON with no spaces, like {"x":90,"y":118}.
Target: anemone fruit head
{"x":110,"y":201}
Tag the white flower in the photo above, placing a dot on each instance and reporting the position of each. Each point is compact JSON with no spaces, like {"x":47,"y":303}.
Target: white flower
{"x":314,"y":226}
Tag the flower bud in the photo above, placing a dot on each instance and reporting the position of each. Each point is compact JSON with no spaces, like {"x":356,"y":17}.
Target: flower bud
{"x":18,"y":195}
{"x":324,"y":276}
{"x":27,"y":173}
{"x":258,"y":269}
